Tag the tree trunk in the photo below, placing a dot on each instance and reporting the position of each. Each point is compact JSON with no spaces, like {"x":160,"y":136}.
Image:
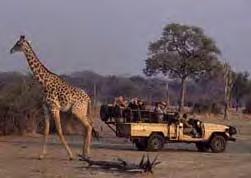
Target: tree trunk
{"x":237,"y":105}
{"x":226,"y":111}
{"x":182,"y":95}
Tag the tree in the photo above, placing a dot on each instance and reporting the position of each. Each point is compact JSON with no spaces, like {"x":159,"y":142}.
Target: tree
{"x":182,"y":52}
{"x":228,"y":76}
{"x":241,"y":87}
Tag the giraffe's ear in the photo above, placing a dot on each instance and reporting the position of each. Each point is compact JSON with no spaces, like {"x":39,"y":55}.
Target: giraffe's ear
{"x":29,"y":41}
{"x":22,"y":37}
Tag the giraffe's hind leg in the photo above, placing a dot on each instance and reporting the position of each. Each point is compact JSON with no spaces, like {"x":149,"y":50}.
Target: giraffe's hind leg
{"x":81,"y":114}
{"x":56,"y":116}
{"x":46,"y":131}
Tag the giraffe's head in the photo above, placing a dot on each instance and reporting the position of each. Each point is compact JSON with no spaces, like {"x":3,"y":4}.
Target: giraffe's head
{"x":20,"y":45}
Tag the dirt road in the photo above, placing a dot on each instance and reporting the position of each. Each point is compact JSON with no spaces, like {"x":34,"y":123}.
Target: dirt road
{"x":18,"y":158}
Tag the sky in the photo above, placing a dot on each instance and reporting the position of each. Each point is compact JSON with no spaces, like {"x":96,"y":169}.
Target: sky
{"x":112,"y":36}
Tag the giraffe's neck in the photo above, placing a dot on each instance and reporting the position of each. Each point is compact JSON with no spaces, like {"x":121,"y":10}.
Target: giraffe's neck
{"x":40,"y":72}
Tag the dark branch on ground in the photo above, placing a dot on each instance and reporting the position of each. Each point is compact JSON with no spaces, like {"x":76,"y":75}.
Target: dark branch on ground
{"x":145,"y":164}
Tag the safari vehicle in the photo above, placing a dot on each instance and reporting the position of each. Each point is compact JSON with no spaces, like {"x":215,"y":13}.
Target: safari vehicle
{"x":147,"y":134}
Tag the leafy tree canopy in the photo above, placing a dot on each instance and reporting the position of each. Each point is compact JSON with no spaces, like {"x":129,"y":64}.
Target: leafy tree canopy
{"x":181,"y":52}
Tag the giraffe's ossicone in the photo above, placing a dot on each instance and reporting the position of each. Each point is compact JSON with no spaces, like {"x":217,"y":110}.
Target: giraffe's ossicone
{"x":58,"y":96}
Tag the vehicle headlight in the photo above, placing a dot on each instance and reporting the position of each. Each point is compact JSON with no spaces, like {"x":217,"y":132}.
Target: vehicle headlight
{"x":198,"y":123}
{"x":232,"y":130}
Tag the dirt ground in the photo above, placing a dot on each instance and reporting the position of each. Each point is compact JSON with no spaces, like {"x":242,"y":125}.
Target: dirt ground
{"x":18,"y":157}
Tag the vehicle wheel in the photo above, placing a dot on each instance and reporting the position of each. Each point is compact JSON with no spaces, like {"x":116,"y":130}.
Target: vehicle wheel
{"x":141,"y":144}
{"x":155,"y":142}
{"x":218,"y":144}
{"x":202,"y":147}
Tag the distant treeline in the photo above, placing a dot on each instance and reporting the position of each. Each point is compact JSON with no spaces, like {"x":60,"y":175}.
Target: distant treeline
{"x":105,"y":88}
{"x":21,"y":101}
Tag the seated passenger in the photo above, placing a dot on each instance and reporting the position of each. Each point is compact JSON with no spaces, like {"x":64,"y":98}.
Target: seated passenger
{"x":141,"y":105}
{"x":120,"y":101}
{"x":163,"y":105}
{"x":135,"y":109}
{"x":158,"y":110}
{"x":134,"y":105}
{"x":188,"y":128}
{"x":118,"y":110}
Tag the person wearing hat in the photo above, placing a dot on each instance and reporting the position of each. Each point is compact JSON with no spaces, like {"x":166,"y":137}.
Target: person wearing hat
{"x":163,"y":106}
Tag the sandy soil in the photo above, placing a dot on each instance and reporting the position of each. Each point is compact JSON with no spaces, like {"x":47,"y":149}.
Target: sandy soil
{"x":18,"y":157}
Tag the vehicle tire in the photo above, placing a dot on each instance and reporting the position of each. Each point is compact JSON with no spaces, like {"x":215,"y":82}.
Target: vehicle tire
{"x":155,"y":142}
{"x":141,"y":144}
{"x":218,"y":144}
{"x":202,"y":146}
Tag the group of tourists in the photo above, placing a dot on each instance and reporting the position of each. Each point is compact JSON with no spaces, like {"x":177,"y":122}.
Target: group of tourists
{"x":134,"y":103}
{"x":159,"y":108}
{"x":137,"y":103}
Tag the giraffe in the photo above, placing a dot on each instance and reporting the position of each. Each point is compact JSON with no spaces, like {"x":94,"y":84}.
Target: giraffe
{"x":58,"y":96}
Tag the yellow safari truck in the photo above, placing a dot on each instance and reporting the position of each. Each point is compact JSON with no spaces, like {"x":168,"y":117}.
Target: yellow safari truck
{"x":148,"y":135}
{"x":153,"y":136}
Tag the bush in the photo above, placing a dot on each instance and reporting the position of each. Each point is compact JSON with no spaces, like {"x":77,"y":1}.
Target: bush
{"x":207,"y":107}
{"x":20,"y":107}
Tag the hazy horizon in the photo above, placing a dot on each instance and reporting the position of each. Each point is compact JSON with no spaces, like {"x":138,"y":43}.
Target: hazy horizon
{"x":112,"y":36}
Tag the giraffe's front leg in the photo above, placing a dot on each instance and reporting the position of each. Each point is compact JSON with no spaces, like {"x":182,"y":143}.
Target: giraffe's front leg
{"x":46,"y":131}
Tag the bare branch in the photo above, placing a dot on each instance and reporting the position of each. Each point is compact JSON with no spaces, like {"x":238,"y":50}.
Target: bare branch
{"x":143,"y":166}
